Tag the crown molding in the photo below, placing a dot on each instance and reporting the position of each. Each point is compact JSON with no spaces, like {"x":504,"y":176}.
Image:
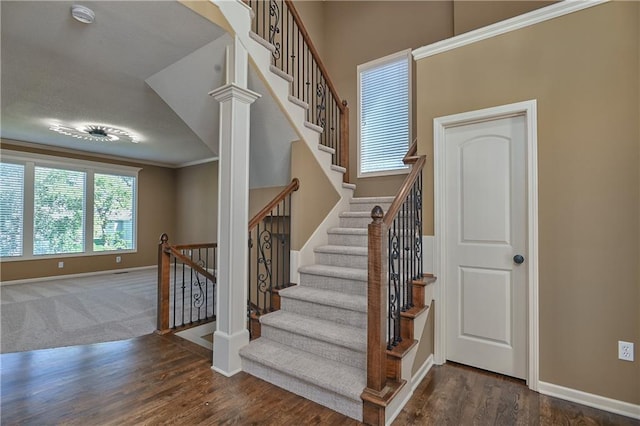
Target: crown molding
{"x":531,"y":18}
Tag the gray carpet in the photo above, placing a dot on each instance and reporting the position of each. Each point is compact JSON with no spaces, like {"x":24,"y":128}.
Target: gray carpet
{"x":77,"y":311}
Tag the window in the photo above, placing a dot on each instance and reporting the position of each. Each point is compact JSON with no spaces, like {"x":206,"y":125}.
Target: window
{"x":11,"y":207}
{"x":59,"y":211}
{"x":384,"y":121}
{"x":113,"y":212}
{"x":51,"y":206}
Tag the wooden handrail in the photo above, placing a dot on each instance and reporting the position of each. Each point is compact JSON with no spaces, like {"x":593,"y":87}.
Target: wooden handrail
{"x":410,"y":156}
{"x":405,"y":189}
{"x":314,"y":52}
{"x":187,"y":261}
{"x":293,"y":186}
{"x":194,"y":246}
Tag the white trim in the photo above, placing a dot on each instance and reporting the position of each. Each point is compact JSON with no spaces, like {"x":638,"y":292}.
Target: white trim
{"x":68,"y":163}
{"x":421,"y":373}
{"x":428,"y":254}
{"x":534,"y":17}
{"x":415,"y":382}
{"x":79,"y":275}
{"x":590,"y":400}
{"x":196,"y":162}
{"x":528,"y":109}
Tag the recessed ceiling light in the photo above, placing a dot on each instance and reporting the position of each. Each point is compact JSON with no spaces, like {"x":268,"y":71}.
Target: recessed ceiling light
{"x":82,"y":14}
{"x":95,"y":132}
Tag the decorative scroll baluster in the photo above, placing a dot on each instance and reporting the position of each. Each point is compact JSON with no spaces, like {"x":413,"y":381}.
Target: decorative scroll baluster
{"x":395,"y":262}
{"x":269,"y":256}
{"x":186,"y":291}
{"x":295,"y":54}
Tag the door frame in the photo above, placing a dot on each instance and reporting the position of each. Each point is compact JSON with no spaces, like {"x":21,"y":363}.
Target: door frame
{"x":528,"y":109}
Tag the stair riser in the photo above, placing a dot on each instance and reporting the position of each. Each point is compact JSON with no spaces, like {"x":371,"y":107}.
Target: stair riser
{"x":348,"y":240}
{"x":342,"y":285}
{"x":367,"y":207}
{"x":344,"y":260}
{"x":355,"y":222}
{"x":348,"y":407}
{"x":328,"y":313}
{"x":328,"y":350}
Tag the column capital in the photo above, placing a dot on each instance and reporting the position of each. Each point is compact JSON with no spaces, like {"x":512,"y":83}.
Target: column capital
{"x":233,"y":91}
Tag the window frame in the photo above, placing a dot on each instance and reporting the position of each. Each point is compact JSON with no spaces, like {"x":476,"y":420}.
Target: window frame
{"x":90,"y":168}
{"x":374,"y":64}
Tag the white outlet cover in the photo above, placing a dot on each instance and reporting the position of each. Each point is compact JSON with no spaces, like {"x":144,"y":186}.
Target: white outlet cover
{"x":625,"y":350}
{"x":60,"y":264}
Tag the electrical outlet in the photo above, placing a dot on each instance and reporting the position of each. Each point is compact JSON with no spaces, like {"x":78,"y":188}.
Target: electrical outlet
{"x":118,"y":259}
{"x":60,"y":265}
{"x":625,"y":350}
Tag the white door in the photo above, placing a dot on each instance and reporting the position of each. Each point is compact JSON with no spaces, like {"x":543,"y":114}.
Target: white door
{"x":485,"y":222}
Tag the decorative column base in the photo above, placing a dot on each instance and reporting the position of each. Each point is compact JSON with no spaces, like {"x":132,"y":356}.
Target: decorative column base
{"x":226,"y":348}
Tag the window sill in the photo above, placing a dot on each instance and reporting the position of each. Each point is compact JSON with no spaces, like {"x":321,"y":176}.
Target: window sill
{"x":65,"y":256}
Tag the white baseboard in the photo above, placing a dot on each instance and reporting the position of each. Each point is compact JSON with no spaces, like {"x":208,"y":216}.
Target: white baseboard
{"x":590,"y":400}
{"x":421,"y":373}
{"x":83,"y":274}
{"x":415,"y":382}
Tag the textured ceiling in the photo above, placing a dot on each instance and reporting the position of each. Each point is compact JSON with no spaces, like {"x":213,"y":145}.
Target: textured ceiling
{"x":55,"y":69}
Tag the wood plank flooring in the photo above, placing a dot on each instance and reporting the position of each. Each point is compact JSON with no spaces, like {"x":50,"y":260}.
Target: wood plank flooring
{"x":165,"y":380}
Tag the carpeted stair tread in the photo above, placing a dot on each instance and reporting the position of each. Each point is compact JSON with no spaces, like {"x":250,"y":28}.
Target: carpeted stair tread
{"x":334,"y":376}
{"x":355,"y":214}
{"x":335,"y":271}
{"x":369,"y":200}
{"x":348,"y":231}
{"x":348,"y":250}
{"x":326,"y":297}
{"x":327,"y":331}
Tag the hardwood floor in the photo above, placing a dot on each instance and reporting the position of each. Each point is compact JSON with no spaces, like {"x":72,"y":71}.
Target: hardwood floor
{"x":166,"y":380}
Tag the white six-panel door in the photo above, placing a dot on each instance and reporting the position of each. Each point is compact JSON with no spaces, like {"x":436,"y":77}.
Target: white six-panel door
{"x":486,"y":226}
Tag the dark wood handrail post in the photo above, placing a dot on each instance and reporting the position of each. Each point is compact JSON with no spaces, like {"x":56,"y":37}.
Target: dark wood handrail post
{"x":344,"y":140}
{"x":376,"y":316}
{"x":164,"y":277}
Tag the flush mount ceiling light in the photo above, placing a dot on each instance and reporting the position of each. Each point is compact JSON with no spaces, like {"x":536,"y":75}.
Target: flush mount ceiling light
{"x":82,"y":14}
{"x":95,"y":133}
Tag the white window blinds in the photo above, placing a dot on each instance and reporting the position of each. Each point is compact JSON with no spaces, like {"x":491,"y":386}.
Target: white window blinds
{"x":384,"y":122}
{"x":113,"y":212}
{"x":59,"y":211}
{"x":11,"y":209}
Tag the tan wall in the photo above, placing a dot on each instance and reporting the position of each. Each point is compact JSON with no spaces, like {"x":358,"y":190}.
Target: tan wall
{"x":470,"y":15}
{"x":312,"y":14}
{"x":315,"y":198}
{"x":583,"y":69}
{"x":196,"y":204}
{"x":359,"y":32}
{"x":156,"y":214}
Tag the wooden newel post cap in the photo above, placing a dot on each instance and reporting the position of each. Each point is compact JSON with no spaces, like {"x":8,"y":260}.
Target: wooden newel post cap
{"x":164,"y":238}
{"x":377,"y":214}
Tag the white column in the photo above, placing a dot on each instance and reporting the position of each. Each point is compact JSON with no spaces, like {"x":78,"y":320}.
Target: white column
{"x":233,"y":214}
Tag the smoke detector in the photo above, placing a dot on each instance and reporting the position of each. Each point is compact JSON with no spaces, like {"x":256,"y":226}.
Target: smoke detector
{"x":82,"y":14}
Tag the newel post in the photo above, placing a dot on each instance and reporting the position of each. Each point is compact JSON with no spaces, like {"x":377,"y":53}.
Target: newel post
{"x":344,"y":140}
{"x":373,"y":413}
{"x":164,"y":277}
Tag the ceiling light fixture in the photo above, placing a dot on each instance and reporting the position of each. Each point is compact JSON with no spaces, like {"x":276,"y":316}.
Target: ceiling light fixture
{"x":82,"y":14}
{"x":95,"y":132}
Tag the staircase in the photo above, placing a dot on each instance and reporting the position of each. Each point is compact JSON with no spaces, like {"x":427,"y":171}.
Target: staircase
{"x":316,"y":345}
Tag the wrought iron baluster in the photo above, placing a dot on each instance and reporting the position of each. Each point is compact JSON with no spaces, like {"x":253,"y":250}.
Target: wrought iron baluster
{"x":175,"y":289}
{"x":274,"y":29}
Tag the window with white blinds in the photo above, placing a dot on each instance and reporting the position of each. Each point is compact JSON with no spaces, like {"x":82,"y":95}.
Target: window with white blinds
{"x":11,"y":209}
{"x":384,"y":125}
{"x":59,"y":211}
{"x":52,"y":206}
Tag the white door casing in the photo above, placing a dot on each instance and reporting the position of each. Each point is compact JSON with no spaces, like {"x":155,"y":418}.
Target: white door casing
{"x":477,"y":237}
